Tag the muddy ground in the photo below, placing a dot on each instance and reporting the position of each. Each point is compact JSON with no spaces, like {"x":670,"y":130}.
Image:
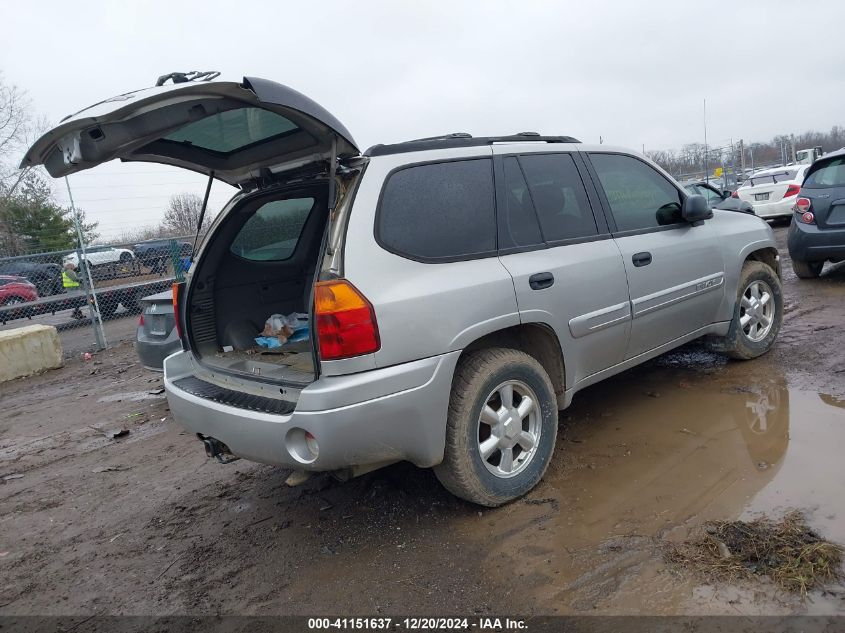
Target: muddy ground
{"x":146,"y":524}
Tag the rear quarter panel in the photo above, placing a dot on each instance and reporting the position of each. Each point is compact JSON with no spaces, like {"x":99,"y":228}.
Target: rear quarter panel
{"x":422,"y":309}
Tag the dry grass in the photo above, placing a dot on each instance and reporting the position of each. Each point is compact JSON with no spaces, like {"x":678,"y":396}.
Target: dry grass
{"x":788,"y":552}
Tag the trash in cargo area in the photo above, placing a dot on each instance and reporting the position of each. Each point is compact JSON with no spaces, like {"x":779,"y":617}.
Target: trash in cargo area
{"x":280,"y":330}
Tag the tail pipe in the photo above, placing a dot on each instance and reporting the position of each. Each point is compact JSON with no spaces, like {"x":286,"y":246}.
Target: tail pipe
{"x":217,"y":449}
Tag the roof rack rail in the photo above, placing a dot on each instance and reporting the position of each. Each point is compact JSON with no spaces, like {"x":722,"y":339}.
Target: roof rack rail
{"x":462,"y":139}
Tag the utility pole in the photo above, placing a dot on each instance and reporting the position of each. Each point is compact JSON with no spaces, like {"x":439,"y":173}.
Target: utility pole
{"x":792,"y":143}
{"x":742,"y":157}
{"x":706,"y":165}
{"x":87,"y":281}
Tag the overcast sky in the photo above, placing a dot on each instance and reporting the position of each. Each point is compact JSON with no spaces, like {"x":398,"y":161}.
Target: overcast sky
{"x":635,"y":73}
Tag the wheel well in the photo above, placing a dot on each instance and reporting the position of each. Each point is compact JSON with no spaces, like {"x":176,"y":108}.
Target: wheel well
{"x":768,"y":256}
{"x":535,"y":339}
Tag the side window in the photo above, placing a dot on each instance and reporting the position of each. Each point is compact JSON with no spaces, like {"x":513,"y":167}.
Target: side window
{"x":273,"y":231}
{"x":639,"y":196}
{"x":559,"y":196}
{"x":440,"y":210}
{"x":517,"y":220}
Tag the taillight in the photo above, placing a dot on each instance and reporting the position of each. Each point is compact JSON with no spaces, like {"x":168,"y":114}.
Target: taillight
{"x":177,"y":293}
{"x":802,"y":205}
{"x":141,"y":320}
{"x":792,"y":190}
{"x":734,"y":194}
{"x":345,"y":320}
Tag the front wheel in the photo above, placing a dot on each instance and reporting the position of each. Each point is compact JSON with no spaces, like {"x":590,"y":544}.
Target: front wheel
{"x":501,"y":427}
{"x":807,"y":270}
{"x":757,"y":315}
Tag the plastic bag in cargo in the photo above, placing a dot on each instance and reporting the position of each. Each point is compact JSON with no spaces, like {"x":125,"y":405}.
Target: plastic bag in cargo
{"x":283,"y":327}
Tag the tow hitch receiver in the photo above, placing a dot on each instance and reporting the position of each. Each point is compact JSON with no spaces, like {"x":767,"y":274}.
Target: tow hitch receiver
{"x":216,"y":448}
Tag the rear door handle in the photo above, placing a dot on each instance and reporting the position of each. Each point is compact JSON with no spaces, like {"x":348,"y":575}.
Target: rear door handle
{"x":641,"y":259}
{"x":538,"y":281}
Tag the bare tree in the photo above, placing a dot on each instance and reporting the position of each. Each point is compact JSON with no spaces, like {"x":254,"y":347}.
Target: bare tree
{"x":15,"y":129}
{"x":183,"y":213}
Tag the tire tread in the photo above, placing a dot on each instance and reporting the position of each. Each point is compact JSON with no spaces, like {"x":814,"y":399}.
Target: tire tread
{"x":456,"y":472}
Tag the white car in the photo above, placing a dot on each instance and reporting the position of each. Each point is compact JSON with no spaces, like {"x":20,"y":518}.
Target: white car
{"x":772,"y":192}
{"x":99,"y":255}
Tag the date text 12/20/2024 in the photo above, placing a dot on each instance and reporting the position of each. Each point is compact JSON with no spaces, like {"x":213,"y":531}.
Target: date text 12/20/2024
{"x":418,"y":624}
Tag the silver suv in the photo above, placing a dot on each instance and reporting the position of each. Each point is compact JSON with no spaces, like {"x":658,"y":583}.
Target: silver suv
{"x":459,"y":290}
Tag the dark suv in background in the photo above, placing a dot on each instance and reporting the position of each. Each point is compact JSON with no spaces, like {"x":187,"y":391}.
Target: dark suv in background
{"x":817,"y":232}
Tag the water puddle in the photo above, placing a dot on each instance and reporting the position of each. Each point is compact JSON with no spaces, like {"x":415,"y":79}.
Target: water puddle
{"x":648,"y":455}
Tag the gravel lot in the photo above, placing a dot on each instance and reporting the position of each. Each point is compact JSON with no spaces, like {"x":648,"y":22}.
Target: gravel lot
{"x":146,"y":524}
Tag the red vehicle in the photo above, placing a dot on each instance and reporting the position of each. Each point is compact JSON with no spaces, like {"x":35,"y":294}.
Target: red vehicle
{"x":16,"y":290}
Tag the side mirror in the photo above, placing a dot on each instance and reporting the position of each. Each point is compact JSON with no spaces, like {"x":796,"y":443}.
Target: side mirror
{"x":727,"y":193}
{"x":695,"y":209}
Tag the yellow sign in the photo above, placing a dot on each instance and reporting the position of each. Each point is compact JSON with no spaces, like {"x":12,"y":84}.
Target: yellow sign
{"x":717,"y":173}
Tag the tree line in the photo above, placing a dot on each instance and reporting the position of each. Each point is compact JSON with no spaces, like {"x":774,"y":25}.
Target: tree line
{"x":693,"y":157}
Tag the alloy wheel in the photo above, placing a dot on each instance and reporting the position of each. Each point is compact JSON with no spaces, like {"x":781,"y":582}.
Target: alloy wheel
{"x":509,"y":429}
{"x":756,"y":311}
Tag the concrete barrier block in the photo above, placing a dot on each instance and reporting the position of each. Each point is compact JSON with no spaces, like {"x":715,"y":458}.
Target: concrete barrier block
{"x":28,"y":350}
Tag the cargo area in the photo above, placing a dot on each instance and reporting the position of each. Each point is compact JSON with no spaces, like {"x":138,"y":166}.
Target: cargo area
{"x":249,"y":300}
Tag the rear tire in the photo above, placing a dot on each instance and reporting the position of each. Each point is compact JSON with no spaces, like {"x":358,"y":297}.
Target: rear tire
{"x":807,"y":270}
{"x":758,"y":313}
{"x":496,"y":451}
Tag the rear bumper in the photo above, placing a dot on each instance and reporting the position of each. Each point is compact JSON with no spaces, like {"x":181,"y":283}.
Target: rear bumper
{"x":809,"y":243}
{"x":390,"y":414}
{"x":780,"y":209}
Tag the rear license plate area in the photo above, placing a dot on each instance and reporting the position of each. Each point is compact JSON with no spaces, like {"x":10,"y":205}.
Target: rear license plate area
{"x":158,"y":324}
{"x":761,"y":196}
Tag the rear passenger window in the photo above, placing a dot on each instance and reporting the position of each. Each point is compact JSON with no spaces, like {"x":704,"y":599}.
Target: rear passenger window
{"x":518,"y":224}
{"x":439,"y":211}
{"x":639,"y":196}
{"x":559,"y":196}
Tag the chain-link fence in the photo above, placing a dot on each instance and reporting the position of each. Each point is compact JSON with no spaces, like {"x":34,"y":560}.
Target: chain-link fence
{"x":92,"y":295}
